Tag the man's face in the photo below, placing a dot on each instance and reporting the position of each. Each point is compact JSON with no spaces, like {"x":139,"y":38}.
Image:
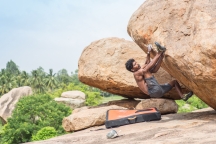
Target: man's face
{"x":136,"y":66}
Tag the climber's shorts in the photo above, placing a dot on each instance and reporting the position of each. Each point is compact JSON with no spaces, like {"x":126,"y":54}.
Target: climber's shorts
{"x":156,"y":90}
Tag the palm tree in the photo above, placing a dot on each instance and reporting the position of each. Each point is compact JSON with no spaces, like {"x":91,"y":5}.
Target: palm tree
{"x":4,"y":87}
{"x":37,"y":82}
{"x":7,"y":82}
{"x":18,"y":80}
{"x":25,"y":78}
{"x":51,"y":80}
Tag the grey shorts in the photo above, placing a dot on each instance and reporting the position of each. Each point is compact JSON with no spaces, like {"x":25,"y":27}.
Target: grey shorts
{"x":156,"y":90}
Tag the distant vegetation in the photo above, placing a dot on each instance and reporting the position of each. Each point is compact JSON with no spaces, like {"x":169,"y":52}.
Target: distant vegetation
{"x":40,"y":81}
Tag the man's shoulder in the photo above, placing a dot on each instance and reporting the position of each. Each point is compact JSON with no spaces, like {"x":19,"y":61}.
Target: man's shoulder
{"x":138,"y":75}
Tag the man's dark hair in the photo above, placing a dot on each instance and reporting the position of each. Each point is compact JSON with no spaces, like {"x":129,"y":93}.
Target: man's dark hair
{"x":129,"y":64}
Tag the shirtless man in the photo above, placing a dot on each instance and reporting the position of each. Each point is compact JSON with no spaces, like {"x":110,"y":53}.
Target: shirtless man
{"x":146,"y":81}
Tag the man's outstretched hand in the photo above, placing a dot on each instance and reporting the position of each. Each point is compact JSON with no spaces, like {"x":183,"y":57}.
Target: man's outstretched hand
{"x":149,"y":48}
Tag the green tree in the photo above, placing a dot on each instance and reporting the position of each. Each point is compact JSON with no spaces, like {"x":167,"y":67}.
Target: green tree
{"x":37,"y":82}
{"x":51,"y":82}
{"x":7,"y":82}
{"x":25,"y":78}
{"x":74,"y":77}
{"x":41,"y":72}
{"x":93,"y":98}
{"x":12,"y":68}
{"x":63,"y":77}
{"x":31,"y":114}
{"x":45,"y":133}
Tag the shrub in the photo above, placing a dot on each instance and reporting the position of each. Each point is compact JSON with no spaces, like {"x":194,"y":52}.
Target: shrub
{"x":45,"y":133}
{"x":192,"y":104}
{"x":196,"y":102}
{"x":93,"y":98}
{"x":30,"y":115}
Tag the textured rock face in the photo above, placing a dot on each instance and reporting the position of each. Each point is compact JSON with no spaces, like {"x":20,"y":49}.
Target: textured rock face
{"x":126,"y":103}
{"x":9,"y":100}
{"x":73,"y":99}
{"x":188,"y":29}
{"x":72,"y":103}
{"x":87,"y":118}
{"x":73,"y":95}
{"x":102,"y":65}
{"x":165,"y":106}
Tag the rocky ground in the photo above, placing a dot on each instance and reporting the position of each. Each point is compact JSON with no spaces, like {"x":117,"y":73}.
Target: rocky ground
{"x":195,"y":127}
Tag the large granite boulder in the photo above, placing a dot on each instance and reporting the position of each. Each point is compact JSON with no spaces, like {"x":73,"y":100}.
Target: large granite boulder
{"x":8,"y":101}
{"x":73,"y":99}
{"x":102,"y":65}
{"x":188,"y":30}
{"x":87,"y":118}
{"x":165,"y":106}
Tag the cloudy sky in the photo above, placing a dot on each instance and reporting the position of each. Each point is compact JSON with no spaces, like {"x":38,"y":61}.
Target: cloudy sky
{"x":53,"y":33}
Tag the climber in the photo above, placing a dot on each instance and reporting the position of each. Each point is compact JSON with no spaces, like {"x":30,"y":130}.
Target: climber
{"x":147,"y":82}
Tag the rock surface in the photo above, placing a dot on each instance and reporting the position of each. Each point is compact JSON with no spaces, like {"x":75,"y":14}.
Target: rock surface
{"x":86,"y":118}
{"x":188,"y":30}
{"x":165,"y":106}
{"x":126,"y":103}
{"x":74,"y":95}
{"x":9,"y":100}
{"x":76,"y":110}
{"x":195,"y":127}
{"x":72,"y":103}
{"x":102,"y":65}
{"x":73,"y":99}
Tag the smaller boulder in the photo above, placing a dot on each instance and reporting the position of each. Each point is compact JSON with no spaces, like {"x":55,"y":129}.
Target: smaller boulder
{"x":126,"y":103}
{"x":87,"y":118}
{"x":73,"y":95}
{"x":72,"y":103}
{"x":73,"y":99}
{"x":165,"y":106}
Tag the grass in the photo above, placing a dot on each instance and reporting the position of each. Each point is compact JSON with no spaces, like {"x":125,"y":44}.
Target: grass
{"x":192,"y":104}
{"x":112,"y":98}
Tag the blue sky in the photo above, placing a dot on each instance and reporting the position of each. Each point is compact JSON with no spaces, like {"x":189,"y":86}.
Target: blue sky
{"x":53,"y":33}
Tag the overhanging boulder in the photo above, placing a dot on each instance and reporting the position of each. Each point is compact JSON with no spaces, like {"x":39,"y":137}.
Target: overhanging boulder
{"x":188,"y":30}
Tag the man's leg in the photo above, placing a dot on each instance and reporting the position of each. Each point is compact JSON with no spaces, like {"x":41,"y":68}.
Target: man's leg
{"x":147,"y":59}
{"x":157,"y":65}
{"x":174,"y":83}
{"x":154,"y":61}
{"x":148,"y":54}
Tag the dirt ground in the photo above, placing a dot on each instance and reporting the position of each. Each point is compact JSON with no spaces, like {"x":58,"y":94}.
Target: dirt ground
{"x":195,"y":127}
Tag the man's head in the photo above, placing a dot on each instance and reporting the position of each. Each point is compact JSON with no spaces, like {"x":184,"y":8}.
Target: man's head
{"x":131,"y":65}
